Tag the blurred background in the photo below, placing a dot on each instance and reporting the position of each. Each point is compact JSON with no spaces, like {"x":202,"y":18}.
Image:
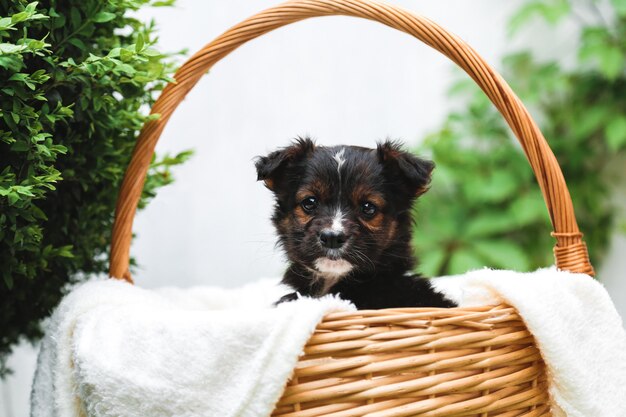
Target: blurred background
{"x":343,"y":80}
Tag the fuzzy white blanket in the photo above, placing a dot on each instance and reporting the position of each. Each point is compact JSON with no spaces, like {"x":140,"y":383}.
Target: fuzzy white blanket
{"x":116,"y":350}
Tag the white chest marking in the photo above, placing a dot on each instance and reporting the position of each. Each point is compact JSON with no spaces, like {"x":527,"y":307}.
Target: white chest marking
{"x":331,"y":271}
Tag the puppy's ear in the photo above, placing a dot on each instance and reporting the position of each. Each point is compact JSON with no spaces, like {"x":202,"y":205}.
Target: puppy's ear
{"x":407,"y":171}
{"x":272,"y":167}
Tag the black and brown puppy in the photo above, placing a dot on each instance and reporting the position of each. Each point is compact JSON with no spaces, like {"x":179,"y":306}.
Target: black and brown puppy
{"x":343,"y":216}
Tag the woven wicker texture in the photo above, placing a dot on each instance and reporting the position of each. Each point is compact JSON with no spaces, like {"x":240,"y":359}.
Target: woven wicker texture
{"x":395,"y":362}
{"x":419,"y":362}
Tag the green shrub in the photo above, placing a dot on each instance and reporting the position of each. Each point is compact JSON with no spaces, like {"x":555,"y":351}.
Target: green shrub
{"x":76,"y":80}
{"x":485,"y":207}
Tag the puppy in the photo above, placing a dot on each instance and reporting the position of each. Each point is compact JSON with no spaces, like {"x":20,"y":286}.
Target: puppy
{"x":343,"y":217}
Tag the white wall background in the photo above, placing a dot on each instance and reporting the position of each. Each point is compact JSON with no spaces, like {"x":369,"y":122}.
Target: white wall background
{"x":339,"y":79}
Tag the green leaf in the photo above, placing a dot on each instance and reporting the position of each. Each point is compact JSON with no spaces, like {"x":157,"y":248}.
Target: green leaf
{"x":58,"y":22}
{"x":114,"y":53}
{"x":13,"y":197}
{"x":163,"y":3}
{"x":591,"y":120}
{"x":75,"y":17}
{"x":103,"y":17}
{"x":527,"y":209}
{"x":552,"y":11}
{"x":126,"y":55}
{"x":620,"y":7}
{"x":8,"y":280}
{"x":612,"y":62}
{"x":19,"y":17}
{"x":152,"y":53}
{"x":489,"y":223}
{"x":128,"y":69}
{"x":24,"y":191}
{"x":616,"y":133}
{"x":431,"y":261}
{"x":464,"y":260}
{"x":503,"y":254}
{"x":599,"y":44}
{"x":20,"y":147}
{"x":65,"y":251}
{"x":5,"y":23}
{"x":7,"y":48}
{"x":139,"y":44}
{"x":494,"y":187}
{"x":77,"y":42}
{"x":30,"y":7}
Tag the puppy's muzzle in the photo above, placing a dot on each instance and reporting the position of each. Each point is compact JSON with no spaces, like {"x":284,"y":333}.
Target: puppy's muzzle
{"x":331,"y":239}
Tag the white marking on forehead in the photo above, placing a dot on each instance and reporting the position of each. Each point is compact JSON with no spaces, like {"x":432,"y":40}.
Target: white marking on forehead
{"x":337,"y":225}
{"x":338,"y":157}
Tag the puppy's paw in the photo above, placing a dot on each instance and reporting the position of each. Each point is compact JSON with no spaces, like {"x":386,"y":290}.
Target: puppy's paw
{"x":289,"y":297}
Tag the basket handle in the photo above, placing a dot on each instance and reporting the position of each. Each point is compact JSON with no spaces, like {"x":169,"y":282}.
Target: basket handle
{"x":570,"y":251}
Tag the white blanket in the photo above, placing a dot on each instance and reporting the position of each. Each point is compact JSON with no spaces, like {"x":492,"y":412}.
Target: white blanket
{"x":117,"y":350}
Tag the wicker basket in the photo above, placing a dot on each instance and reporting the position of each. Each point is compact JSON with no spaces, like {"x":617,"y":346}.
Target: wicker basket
{"x":396,"y":362}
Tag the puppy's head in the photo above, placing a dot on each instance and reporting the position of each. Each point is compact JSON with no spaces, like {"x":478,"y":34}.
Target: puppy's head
{"x":339,"y":208}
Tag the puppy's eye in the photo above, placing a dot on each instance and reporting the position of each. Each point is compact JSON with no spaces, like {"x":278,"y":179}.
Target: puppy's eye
{"x":309,"y":204}
{"x":368,"y":209}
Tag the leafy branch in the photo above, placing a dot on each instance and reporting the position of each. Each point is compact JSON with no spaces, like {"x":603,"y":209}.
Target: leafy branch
{"x":484,"y":207}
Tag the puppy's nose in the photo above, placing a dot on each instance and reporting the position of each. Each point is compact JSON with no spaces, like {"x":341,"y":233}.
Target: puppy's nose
{"x":332,"y":239}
